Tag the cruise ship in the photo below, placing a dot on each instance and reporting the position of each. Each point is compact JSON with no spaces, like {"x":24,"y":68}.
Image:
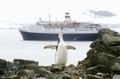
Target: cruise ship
{"x":72,"y":30}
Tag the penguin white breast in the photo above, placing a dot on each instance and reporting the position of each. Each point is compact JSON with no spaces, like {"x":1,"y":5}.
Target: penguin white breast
{"x":61,"y":53}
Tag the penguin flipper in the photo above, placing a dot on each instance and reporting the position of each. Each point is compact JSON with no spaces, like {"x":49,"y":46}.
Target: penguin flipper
{"x":71,"y":47}
{"x":51,"y":46}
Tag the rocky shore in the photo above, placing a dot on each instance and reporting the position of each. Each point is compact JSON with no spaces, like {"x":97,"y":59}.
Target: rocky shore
{"x":103,"y":59}
{"x":102,"y":62}
{"x":27,"y":69}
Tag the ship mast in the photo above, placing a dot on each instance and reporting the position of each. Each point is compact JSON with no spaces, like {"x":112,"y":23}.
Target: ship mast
{"x":49,"y":16}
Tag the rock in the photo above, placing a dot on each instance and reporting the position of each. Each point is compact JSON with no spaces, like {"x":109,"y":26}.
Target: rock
{"x":25,"y":62}
{"x":107,"y":31}
{"x":3,"y":67}
{"x":71,"y":69}
{"x":43,"y":72}
{"x":64,"y":76}
{"x":40,"y":78}
{"x":111,"y":40}
{"x":25,"y":74}
{"x":10,"y":77}
{"x":57,"y":67}
{"x":116,"y":68}
{"x":116,"y":77}
{"x":103,"y":57}
{"x":21,"y":64}
{"x":27,"y":69}
{"x":99,"y":68}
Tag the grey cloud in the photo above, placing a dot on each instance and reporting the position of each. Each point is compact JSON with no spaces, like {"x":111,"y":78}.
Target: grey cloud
{"x":102,"y":13}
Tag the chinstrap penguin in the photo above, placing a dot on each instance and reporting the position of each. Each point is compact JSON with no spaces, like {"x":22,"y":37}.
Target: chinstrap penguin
{"x":61,"y":49}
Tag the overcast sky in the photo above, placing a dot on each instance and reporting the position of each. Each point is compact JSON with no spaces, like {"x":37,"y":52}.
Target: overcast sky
{"x":57,"y":8}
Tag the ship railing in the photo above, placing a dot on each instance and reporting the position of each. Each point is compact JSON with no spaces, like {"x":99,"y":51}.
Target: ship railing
{"x":57,"y":23}
{"x":32,"y":28}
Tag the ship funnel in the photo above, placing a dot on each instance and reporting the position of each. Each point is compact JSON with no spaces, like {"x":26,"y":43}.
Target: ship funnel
{"x":67,"y":17}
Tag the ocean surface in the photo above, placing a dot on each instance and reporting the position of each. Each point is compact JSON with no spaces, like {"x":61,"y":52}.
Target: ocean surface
{"x":12,"y":46}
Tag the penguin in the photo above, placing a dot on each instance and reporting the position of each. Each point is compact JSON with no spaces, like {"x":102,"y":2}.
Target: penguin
{"x":61,"y":49}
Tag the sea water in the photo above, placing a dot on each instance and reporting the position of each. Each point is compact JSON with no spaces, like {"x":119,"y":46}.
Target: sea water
{"x":12,"y":46}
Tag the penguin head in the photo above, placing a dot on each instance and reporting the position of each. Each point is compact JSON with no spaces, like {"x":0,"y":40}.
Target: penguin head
{"x":60,"y":34}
